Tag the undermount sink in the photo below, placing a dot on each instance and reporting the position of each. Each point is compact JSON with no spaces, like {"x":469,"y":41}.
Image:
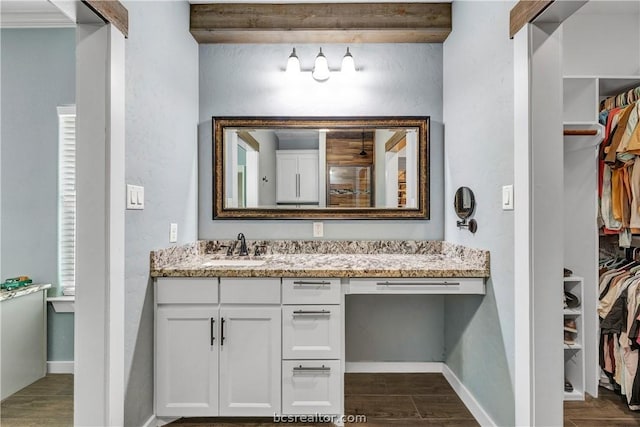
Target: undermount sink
{"x":234,"y":263}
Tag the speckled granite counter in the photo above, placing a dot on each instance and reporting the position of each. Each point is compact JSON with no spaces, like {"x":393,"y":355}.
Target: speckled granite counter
{"x":324,"y":258}
{"x":26,"y":290}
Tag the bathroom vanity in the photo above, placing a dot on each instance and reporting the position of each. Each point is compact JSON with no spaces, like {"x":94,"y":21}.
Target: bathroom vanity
{"x":264,"y":335}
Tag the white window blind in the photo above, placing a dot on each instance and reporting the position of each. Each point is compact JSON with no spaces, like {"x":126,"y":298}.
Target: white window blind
{"x":67,"y":197}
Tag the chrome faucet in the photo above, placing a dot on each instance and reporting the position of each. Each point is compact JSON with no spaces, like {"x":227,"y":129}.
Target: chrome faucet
{"x":243,"y":245}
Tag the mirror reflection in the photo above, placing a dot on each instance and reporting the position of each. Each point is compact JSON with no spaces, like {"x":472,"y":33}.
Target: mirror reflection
{"x":320,"y":165}
{"x":464,"y":202}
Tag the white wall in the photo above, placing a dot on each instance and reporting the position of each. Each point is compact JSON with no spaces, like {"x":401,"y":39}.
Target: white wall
{"x":478,"y":112}
{"x":161,"y":124}
{"x":617,"y":46}
{"x":247,"y":80}
{"x":38,"y":74}
{"x":397,"y":80}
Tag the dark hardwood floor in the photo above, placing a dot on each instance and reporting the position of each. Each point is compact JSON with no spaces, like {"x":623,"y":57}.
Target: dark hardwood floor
{"x":385,"y":399}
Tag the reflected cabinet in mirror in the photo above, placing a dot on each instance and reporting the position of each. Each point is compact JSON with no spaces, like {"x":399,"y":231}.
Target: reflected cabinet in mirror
{"x":321,"y":167}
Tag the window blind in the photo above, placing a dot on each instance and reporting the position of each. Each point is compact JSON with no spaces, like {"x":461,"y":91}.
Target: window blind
{"x":67,"y":196}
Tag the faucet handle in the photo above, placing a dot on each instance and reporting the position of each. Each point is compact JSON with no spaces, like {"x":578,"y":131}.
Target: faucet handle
{"x":230,"y":248}
{"x":257,"y":252}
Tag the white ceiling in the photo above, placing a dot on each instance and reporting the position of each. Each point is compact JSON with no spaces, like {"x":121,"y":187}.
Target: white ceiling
{"x":32,"y":14}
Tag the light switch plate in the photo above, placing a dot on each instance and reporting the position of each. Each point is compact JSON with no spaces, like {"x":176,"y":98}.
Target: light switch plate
{"x":135,"y":197}
{"x":173,"y":233}
{"x":318,"y":229}
{"x":507,"y":197}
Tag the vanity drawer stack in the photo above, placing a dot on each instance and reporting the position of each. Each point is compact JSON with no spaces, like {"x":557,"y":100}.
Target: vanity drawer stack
{"x":311,"y":346}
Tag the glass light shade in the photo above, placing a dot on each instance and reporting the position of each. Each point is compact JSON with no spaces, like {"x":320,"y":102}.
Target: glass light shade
{"x":321,"y":68}
{"x":348,"y":64}
{"x":293,"y":63}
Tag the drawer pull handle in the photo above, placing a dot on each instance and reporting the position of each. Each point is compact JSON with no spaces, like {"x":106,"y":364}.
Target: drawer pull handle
{"x":312,"y":312}
{"x":418,"y":284}
{"x":301,"y":368}
{"x":311,"y":283}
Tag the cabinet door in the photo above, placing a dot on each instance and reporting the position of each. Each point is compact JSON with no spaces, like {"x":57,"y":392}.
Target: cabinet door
{"x":186,"y":361}
{"x":286,"y":178}
{"x":308,"y":178}
{"x":250,"y":361}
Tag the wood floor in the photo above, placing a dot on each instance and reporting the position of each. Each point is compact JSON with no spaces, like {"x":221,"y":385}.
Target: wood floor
{"x":385,"y":399}
{"x":47,"y":402}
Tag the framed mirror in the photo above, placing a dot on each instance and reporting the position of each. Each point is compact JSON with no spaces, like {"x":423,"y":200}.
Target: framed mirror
{"x":302,"y":168}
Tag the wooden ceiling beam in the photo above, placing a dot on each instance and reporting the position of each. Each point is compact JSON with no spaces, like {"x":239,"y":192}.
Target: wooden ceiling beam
{"x":113,"y":12}
{"x":525,"y":12}
{"x":321,"y":22}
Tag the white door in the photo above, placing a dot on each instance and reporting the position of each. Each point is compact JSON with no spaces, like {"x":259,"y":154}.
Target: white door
{"x":286,"y":178}
{"x":250,"y":361}
{"x":186,"y":361}
{"x":308,"y":178}
{"x":311,"y":331}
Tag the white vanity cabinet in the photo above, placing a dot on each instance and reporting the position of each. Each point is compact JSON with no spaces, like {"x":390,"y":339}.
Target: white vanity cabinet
{"x":297,"y":176}
{"x":250,"y":347}
{"x":186,"y":368}
{"x":218,"y":347}
{"x":312,"y":372}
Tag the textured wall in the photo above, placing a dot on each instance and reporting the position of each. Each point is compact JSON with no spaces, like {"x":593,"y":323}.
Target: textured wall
{"x":397,"y":80}
{"x":247,"y":80}
{"x":478,"y":111}
{"x":161,"y":119}
{"x":38,"y":74}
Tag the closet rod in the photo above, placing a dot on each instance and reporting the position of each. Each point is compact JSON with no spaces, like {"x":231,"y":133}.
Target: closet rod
{"x":580,"y":132}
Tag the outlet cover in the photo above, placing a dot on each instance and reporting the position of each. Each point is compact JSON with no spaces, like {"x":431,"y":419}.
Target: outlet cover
{"x":318,"y":229}
{"x":173,"y":233}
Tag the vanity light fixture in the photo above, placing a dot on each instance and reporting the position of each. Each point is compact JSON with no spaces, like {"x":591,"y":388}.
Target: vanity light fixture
{"x":321,"y":71}
{"x":321,"y":68}
{"x":293,"y":63}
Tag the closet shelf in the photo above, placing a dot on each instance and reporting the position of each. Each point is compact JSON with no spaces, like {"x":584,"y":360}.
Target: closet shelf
{"x":572,"y":312}
{"x":576,"y":346}
{"x":573,"y":279}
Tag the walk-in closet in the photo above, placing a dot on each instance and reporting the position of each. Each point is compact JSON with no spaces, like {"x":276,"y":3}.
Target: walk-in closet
{"x":601,"y":83}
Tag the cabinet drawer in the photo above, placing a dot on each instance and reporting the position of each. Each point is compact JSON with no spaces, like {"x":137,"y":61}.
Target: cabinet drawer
{"x":311,"y":387}
{"x":311,"y":331}
{"x":448,"y":286}
{"x":249,"y":291}
{"x":183,"y":290}
{"x":310,"y":291}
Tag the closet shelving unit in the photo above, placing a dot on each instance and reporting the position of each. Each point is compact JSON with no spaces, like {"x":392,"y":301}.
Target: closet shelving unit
{"x":583,"y":134}
{"x":574,"y":360}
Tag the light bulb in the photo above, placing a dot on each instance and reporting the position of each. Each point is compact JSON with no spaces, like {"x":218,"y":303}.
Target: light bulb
{"x":293,"y":63}
{"x":321,"y":68}
{"x":348,"y":64}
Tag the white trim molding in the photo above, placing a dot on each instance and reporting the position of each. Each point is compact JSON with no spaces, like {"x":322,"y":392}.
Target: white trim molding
{"x":60,"y":366}
{"x":359,"y":367}
{"x":467,"y":398}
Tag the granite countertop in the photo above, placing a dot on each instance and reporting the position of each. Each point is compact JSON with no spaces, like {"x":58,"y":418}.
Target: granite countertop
{"x":325,"y":259}
{"x":25,"y":290}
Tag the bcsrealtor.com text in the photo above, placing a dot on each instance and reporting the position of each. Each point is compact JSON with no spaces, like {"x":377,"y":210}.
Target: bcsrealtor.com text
{"x":320,"y":418}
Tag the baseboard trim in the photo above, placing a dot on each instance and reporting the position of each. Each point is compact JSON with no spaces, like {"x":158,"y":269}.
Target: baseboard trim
{"x":467,"y":398}
{"x":359,"y":367}
{"x":160,"y":421}
{"x":151,"y":422}
{"x":60,"y":367}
